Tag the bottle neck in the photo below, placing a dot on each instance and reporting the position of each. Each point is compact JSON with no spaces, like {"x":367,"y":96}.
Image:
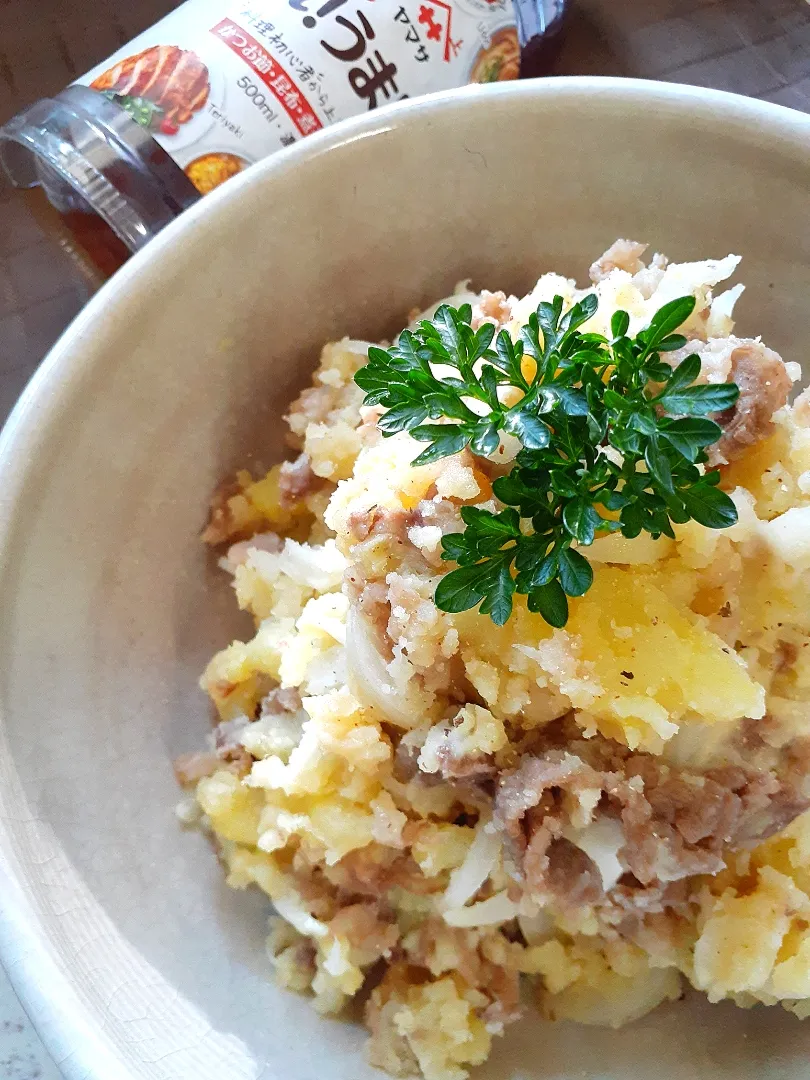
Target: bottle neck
{"x":536,"y":17}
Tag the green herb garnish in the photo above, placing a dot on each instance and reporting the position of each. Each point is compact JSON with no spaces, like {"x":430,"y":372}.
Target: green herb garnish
{"x":587,"y":394}
{"x":142,"y":110}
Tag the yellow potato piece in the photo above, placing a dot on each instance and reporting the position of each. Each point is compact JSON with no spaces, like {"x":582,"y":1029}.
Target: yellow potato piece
{"x":667,"y":665}
{"x":232,"y":808}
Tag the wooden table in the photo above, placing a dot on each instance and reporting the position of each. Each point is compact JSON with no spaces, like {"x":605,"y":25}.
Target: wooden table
{"x":756,"y":47}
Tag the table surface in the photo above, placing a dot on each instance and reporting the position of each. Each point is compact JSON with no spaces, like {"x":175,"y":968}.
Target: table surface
{"x":755,"y":47}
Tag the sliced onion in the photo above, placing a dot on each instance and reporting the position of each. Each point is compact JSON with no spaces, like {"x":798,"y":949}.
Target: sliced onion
{"x":292,"y":909}
{"x":601,"y":841}
{"x":461,"y":295}
{"x":724,"y":304}
{"x":371,"y":681}
{"x":317,"y":567}
{"x":355,"y":345}
{"x":479,"y":862}
{"x":498,"y":909}
{"x":238,"y":553}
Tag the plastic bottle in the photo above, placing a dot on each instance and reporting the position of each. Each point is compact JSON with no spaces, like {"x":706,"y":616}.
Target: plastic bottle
{"x":215,"y":86}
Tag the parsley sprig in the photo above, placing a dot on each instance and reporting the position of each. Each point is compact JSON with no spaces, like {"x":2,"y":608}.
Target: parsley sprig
{"x":612,"y":438}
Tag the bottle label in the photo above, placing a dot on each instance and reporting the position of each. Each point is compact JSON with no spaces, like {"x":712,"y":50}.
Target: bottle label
{"x":220,"y":86}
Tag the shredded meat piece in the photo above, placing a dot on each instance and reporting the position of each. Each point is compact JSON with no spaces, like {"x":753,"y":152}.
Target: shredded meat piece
{"x":491,"y":308}
{"x":238,"y":552}
{"x":312,"y":406}
{"x":373,"y":871}
{"x":366,"y":929}
{"x":189,"y":768}
{"x":444,"y":514}
{"x":465,"y":766}
{"x":222,"y":524}
{"x":554,"y":868}
{"x":504,"y":986}
{"x":406,"y":762}
{"x":787,"y":655}
{"x":434,"y":938}
{"x":655,"y":850}
{"x":374,"y":605}
{"x":296,"y":479}
{"x":319,"y":895}
{"x":685,"y":820}
{"x":360,"y":523}
{"x":378,"y":521}
{"x":634,"y":900}
{"x":621,"y":255}
{"x":644,"y":913}
{"x":764,"y":386}
{"x":281,"y":700}
{"x":526,"y":808}
{"x":773,"y":798}
{"x":676,"y":822}
{"x":571,"y":877}
{"x":228,"y":747}
{"x":522,"y":789}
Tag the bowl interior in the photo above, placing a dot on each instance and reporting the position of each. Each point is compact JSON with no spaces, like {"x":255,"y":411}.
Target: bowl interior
{"x":121,"y":935}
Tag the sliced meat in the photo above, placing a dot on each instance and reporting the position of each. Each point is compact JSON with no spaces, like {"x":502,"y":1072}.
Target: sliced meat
{"x":621,"y":255}
{"x":369,"y":930}
{"x":676,"y":823}
{"x":281,"y":700}
{"x":465,"y":766}
{"x":175,"y":79}
{"x":655,"y":850}
{"x":491,"y":308}
{"x":296,"y":480}
{"x":764,"y":386}
{"x":523,"y":789}
{"x":189,"y":768}
{"x":571,"y":877}
{"x":223,"y":523}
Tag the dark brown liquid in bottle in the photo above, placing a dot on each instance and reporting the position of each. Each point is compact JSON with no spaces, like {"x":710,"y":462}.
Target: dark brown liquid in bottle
{"x":538,"y":55}
{"x":87,"y":240}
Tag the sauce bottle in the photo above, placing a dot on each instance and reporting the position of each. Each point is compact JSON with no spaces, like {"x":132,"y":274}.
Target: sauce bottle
{"x":215,"y":86}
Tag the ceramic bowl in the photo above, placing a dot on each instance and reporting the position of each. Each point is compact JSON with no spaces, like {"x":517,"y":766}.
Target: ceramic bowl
{"x":132,"y":956}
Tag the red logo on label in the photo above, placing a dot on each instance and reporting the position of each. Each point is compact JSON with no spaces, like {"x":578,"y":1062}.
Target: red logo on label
{"x":271,"y":73}
{"x":439,"y":25}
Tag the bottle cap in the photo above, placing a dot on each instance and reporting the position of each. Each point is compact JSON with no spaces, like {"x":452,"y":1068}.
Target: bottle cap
{"x":88,"y":154}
